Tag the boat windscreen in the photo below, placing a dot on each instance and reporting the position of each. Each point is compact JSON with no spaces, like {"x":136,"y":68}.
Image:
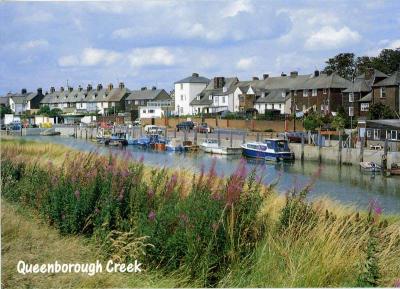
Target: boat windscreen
{"x":282,"y":145}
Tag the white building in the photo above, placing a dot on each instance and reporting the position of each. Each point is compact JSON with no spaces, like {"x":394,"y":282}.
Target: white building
{"x":186,"y":90}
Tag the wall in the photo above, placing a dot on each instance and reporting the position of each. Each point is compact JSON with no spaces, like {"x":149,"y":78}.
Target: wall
{"x":254,"y":125}
{"x":189,"y":92}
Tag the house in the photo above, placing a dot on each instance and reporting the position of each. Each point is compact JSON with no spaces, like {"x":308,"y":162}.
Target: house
{"x":387,"y":91}
{"x":357,"y":98}
{"x":78,"y":100}
{"x":186,"y":90}
{"x":275,"y":99}
{"x":218,"y":96}
{"x":319,"y":92}
{"x":139,"y":99}
{"x":25,"y":102}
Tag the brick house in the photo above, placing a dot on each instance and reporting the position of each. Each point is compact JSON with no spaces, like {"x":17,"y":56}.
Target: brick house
{"x":387,"y":92}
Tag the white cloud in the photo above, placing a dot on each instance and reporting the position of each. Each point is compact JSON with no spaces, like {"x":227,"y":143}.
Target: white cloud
{"x":394,"y":44}
{"x":236,"y":7}
{"x":68,"y":60}
{"x":245,"y":63}
{"x":90,"y":57}
{"x":32,"y":44}
{"x":151,"y":56}
{"x":93,"y":56}
{"x":329,"y":38}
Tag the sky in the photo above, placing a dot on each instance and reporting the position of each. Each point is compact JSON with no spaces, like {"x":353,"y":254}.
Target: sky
{"x":155,"y":43}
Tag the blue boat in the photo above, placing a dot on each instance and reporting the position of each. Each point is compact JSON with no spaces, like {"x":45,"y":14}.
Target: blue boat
{"x":117,"y":139}
{"x":149,"y":140}
{"x":270,"y":149}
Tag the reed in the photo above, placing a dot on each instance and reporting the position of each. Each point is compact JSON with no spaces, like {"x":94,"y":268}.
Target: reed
{"x":212,"y":231}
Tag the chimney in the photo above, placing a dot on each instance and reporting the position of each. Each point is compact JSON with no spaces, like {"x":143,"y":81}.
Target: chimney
{"x":265,"y":76}
{"x":255,"y":78}
{"x":219,"y":82}
{"x":80,"y":88}
{"x":52,"y":89}
{"x":144,"y":88}
{"x":89,"y":87}
{"x":23,"y":91}
{"x":283,"y":74}
{"x":62,"y":88}
{"x":153,"y":88}
{"x":121,"y":85}
{"x":294,"y":74}
{"x":39,"y":91}
{"x":110,"y":86}
{"x":194,"y":74}
{"x":70,"y":88}
{"x":99,"y":87}
{"x":369,"y":73}
{"x":316,"y":73}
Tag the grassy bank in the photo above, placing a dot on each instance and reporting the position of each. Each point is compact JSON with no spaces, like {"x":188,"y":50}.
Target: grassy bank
{"x":206,"y":230}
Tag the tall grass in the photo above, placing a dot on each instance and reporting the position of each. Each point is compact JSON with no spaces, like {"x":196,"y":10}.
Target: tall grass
{"x":215,"y":232}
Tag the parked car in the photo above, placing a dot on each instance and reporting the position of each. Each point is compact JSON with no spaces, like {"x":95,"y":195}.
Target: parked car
{"x":293,"y":136}
{"x":185,"y":125}
{"x":153,"y":129}
{"x":137,"y":122}
{"x":203,"y":128}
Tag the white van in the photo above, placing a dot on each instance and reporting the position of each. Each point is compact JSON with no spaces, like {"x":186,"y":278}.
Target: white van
{"x":153,"y":129}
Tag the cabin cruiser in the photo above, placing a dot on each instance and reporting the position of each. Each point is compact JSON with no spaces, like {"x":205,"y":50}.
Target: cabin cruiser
{"x":174,"y":145}
{"x":116,"y":139}
{"x":269,"y":149}
{"x":212,"y":146}
{"x":370,"y":167}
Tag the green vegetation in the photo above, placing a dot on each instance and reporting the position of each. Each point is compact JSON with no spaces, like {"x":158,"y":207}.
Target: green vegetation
{"x":348,"y":65}
{"x":380,"y":111}
{"x":201,"y":229}
{"x":4,"y":110}
{"x":46,"y":111}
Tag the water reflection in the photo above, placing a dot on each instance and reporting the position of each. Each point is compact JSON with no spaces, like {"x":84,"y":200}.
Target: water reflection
{"x":345,"y":184}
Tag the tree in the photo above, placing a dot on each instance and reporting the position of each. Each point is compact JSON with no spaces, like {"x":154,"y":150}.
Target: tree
{"x":55,"y":112}
{"x":363,"y":63}
{"x":387,"y":61}
{"x":44,"y":110}
{"x":343,"y":63}
{"x":4,"y":110}
{"x":380,"y":111}
{"x":339,"y":122}
{"x":312,"y":121}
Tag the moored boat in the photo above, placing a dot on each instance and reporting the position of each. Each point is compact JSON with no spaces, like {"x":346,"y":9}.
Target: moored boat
{"x":395,"y":169}
{"x":269,"y":149}
{"x":174,"y":145}
{"x":117,"y":139}
{"x":370,"y":167}
{"x":212,"y":146}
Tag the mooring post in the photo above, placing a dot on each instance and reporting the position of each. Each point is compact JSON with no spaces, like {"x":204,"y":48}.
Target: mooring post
{"x":244,"y":137}
{"x":219,"y":137}
{"x":384,"y":156}
{"x":319,"y":146}
{"x":340,"y":148}
{"x":185,"y":135}
{"x":86,"y":133}
{"x":231,"y":141}
{"x":302,"y":147}
{"x":258,"y":137}
{"x":141,"y":131}
{"x":195,"y":137}
{"x":361,"y":149}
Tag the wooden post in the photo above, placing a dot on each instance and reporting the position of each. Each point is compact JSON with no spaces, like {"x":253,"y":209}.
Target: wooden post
{"x":175,"y":133}
{"x":195,"y":137}
{"x":361,"y":149}
{"x":141,"y":130}
{"x":340,"y":148}
{"x":219,"y":137}
{"x":384,"y":156}
{"x":302,"y":147}
{"x":258,"y":137}
{"x":185,"y":135}
{"x":244,"y":137}
{"x":231,"y":141}
{"x":319,"y":146}
{"x":86,"y":133}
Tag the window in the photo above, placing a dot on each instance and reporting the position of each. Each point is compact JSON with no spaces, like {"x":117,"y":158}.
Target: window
{"x":216,"y":99}
{"x":364,"y":106}
{"x":295,"y":93}
{"x":181,"y":85}
{"x":151,"y":110}
{"x":144,"y":111}
{"x":393,"y":135}
{"x":324,"y":91}
{"x":223,"y":99}
{"x":181,"y":97}
{"x":351,"y":97}
{"x":305,"y":93}
{"x":383,"y":92}
{"x":283,"y":93}
{"x":369,"y":133}
{"x":136,"y":102}
{"x":322,"y":107}
{"x":314,"y":92}
{"x":351,"y":111}
{"x":198,"y":97}
{"x":210,"y":97}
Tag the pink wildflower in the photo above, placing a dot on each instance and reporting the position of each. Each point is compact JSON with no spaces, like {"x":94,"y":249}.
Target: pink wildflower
{"x":77,"y":194}
{"x":150,"y":193}
{"x":152,"y":216}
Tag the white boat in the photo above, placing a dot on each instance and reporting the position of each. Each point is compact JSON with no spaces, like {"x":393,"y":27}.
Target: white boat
{"x":174,"y":145}
{"x":370,"y":167}
{"x":211,"y":146}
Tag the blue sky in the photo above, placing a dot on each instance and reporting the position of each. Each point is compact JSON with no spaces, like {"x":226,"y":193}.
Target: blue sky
{"x":150,"y":43}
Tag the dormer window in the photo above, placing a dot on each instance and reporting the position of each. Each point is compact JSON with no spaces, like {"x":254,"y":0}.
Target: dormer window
{"x":210,"y":97}
{"x":198,"y":97}
{"x":57,"y":96}
{"x":76,"y":95}
{"x":283,"y":94}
